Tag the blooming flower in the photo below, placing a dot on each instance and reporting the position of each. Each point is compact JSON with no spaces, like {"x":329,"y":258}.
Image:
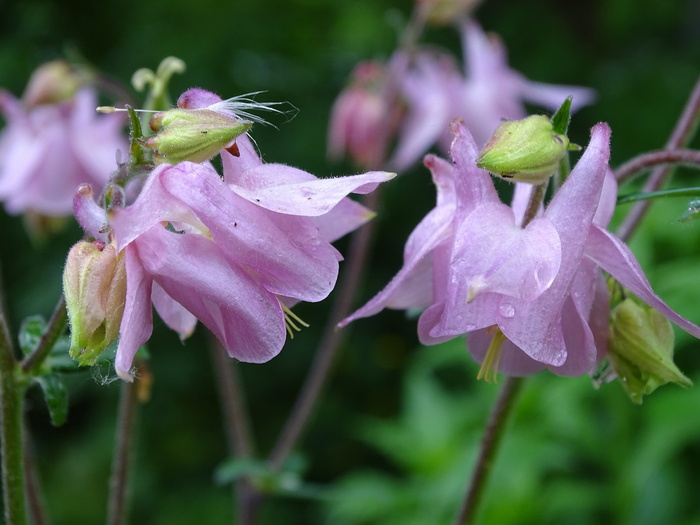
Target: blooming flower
{"x":529,"y":298}
{"x":52,"y":144}
{"x":228,"y":252}
{"x":434,"y":92}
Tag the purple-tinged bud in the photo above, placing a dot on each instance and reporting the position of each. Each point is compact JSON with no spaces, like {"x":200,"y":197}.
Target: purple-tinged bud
{"x":641,"y":349}
{"x":94,"y":285}
{"x":364,"y":118}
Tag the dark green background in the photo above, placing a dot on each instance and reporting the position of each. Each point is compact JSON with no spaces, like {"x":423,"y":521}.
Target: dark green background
{"x":578,"y":455}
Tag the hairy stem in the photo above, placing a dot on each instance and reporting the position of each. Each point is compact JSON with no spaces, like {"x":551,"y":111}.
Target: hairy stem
{"x":489,"y":445}
{"x":330,"y":342}
{"x":11,"y":415}
{"x":682,"y":133}
{"x":121,"y":463}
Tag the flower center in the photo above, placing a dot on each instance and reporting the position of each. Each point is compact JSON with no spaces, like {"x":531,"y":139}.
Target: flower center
{"x":489,"y":367}
{"x":290,"y":321}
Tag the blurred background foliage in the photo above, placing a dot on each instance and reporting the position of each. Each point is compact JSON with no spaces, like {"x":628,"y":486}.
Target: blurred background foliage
{"x":394,"y":437}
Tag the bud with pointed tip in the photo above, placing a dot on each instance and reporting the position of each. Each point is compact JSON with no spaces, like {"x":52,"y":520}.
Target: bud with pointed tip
{"x":527,"y":150}
{"x":641,"y":349}
{"x":195,"y":135}
{"x":94,"y":285}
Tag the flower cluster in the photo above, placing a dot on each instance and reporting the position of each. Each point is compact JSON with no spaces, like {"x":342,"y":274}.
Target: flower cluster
{"x":529,"y":296}
{"x":234,"y":253}
{"x":418,"y":93}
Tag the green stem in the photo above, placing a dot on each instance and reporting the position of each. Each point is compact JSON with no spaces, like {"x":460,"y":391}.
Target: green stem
{"x":489,"y":446}
{"x":54,"y":330}
{"x":639,"y":196}
{"x":12,"y":448}
{"x":682,"y":134}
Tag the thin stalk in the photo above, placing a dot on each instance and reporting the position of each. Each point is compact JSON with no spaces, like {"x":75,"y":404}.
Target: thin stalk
{"x":35,"y":500}
{"x":682,"y":133}
{"x":663,"y":194}
{"x":533,"y":205}
{"x":489,"y":446}
{"x":237,"y":426}
{"x":123,"y":450}
{"x":687,"y":157}
{"x":330,"y":342}
{"x":12,"y":447}
{"x":54,"y":330}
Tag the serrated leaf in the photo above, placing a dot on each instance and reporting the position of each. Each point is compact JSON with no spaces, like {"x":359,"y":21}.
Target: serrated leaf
{"x":56,"y":397}
{"x":30,"y":333}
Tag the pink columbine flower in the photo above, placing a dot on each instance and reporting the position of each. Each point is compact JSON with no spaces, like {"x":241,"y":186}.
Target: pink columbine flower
{"x":433,"y":91}
{"x":48,"y":149}
{"x":538,"y":289}
{"x":233,"y":253}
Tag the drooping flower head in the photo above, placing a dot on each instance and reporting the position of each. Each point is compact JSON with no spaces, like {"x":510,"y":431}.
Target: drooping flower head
{"x":234,"y":253}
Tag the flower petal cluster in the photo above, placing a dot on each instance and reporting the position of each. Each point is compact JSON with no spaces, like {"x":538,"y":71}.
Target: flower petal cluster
{"x":231,"y":253}
{"x":432,"y":90}
{"x":540,"y":287}
{"x":49,"y":148}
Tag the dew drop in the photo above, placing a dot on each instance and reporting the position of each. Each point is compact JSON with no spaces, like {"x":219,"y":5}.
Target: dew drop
{"x":507,"y":310}
{"x":469,"y":327}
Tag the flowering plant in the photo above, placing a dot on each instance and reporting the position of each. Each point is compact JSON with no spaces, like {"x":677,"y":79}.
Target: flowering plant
{"x":533,"y":262}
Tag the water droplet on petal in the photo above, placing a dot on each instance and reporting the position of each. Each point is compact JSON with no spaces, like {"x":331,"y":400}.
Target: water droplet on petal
{"x":469,"y":327}
{"x":507,"y":310}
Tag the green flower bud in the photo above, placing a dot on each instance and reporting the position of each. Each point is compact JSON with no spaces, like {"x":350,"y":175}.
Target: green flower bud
{"x":192,"y":134}
{"x":54,"y":82}
{"x":94,"y":285}
{"x":641,"y":349}
{"x":527,"y":150}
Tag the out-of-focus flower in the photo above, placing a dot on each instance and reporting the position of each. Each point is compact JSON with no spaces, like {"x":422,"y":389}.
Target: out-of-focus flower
{"x":54,"y":141}
{"x":441,"y":12}
{"x":492,"y":91}
{"x":365,"y":117}
{"x":529,"y":298}
{"x":232,"y":253}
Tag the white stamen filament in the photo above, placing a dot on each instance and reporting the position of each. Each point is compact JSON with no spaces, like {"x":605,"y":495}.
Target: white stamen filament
{"x":289,"y":321}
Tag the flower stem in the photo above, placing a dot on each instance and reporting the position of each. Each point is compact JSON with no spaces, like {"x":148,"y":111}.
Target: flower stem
{"x":533,"y":205}
{"x":11,"y":414}
{"x":237,"y":426}
{"x":54,"y":330}
{"x":682,"y":134}
{"x":688,"y":157}
{"x":121,"y":463}
{"x":330,"y":342}
{"x":489,"y":445}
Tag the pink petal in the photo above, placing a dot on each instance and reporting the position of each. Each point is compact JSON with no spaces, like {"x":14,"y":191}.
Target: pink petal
{"x":137,"y":321}
{"x":192,"y":270}
{"x":173,"y":314}
{"x":617,"y":259}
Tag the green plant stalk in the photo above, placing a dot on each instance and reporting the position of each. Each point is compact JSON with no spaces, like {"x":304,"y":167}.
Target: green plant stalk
{"x":681,"y":192}
{"x":54,"y":330}
{"x":12,"y":389}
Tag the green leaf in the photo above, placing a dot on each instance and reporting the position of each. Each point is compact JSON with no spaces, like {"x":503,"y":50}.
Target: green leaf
{"x":234,"y":469}
{"x":30,"y":333}
{"x":56,"y":396}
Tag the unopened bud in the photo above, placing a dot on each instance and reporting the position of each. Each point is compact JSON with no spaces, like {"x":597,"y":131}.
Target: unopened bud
{"x":527,"y":150}
{"x":641,"y":349}
{"x":53,"y":82}
{"x":94,"y":285}
{"x":441,"y":12}
{"x":193,"y":134}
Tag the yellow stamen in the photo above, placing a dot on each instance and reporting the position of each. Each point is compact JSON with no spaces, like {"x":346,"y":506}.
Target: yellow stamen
{"x":489,"y":367}
{"x":289,"y":321}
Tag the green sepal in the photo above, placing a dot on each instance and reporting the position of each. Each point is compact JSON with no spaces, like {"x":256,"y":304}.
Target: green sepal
{"x":561,"y":119}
